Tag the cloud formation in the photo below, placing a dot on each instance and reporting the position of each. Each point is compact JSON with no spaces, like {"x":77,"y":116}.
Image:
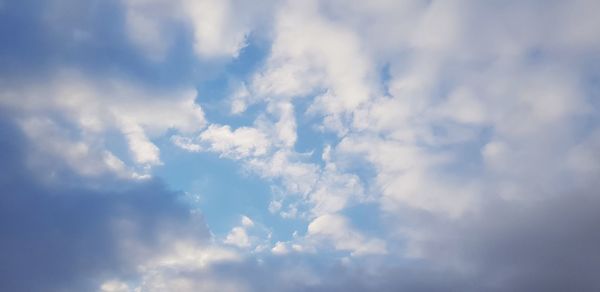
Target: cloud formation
{"x":405,"y":145}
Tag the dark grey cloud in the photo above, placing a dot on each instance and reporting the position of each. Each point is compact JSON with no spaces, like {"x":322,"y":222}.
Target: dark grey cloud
{"x":549,"y":244}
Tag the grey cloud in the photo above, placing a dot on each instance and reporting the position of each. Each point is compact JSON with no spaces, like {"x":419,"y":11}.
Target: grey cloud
{"x":550,"y":245}
{"x":543,"y":245}
{"x":39,"y":36}
{"x":57,"y":237}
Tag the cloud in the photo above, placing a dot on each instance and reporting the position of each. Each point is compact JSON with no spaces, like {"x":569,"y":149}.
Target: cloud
{"x":541,"y":245}
{"x":238,"y":237}
{"x":215,"y":30}
{"x":280,"y":248}
{"x":145,"y":24}
{"x":337,"y":230}
{"x":172,"y":268}
{"x":89,"y":109}
{"x":242,"y":142}
{"x":114,"y":286}
{"x":312,"y":54}
{"x":71,"y":235}
{"x":219,"y":28}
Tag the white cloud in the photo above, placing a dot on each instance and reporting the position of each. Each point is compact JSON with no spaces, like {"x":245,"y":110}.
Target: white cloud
{"x":239,"y":99}
{"x":297,"y":177}
{"x":247,"y":222}
{"x":240,"y":143}
{"x":238,"y":237}
{"x":274,"y":206}
{"x":335,"y":190}
{"x":85,"y":157}
{"x":249,"y":235}
{"x":219,"y":29}
{"x":280,"y":248}
{"x":185,"y":267}
{"x":337,"y":230}
{"x":143,"y":151}
{"x":114,"y":286}
{"x":215,"y":29}
{"x":95,"y":108}
{"x":311,"y":53}
{"x":186,"y":143}
{"x":285,"y":127}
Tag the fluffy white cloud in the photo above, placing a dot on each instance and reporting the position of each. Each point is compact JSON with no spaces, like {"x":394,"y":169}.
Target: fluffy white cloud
{"x":247,"y":222}
{"x":215,"y":29}
{"x":280,"y":248}
{"x":187,"y":266}
{"x":75,"y":113}
{"x":337,"y":230}
{"x":241,"y":142}
{"x":311,"y":54}
{"x":238,"y":237}
{"x":249,"y":235}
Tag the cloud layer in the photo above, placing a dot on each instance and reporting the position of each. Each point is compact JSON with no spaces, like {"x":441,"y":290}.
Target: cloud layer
{"x":406,"y":145}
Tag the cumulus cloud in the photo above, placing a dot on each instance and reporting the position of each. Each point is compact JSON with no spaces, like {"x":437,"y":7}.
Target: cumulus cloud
{"x":238,"y":237}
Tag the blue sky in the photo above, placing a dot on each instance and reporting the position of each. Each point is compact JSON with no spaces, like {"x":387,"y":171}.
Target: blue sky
{"x":225,"y":145}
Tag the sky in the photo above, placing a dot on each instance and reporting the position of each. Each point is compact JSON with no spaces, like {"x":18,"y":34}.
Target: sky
{"x":281,"y":145}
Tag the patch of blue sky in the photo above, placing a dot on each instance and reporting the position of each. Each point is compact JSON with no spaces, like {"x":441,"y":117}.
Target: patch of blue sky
{"x":282,"y":229}
{"x":116,"y":143}
{"x":385,"y":76}
{"x":311,"y":139}
{"x":222,"y":190}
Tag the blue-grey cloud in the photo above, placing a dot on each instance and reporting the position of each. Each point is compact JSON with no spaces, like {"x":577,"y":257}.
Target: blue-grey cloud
{"x":57,"y":237}
{"x":39,"y":36}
